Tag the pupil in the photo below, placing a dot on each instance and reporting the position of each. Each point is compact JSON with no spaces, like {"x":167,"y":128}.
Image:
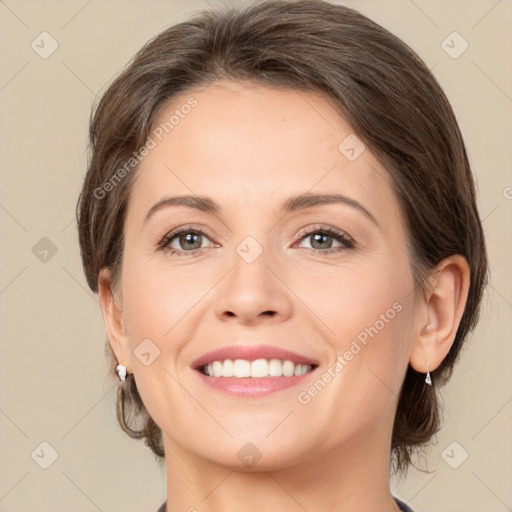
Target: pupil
{"x":318,"y":238}
{"x":189,"y":237}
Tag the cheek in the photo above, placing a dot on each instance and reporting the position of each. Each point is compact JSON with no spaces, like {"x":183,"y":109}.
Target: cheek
{"x":157,"y":298}
{"x":373,"y":338}
{"x":358,"y":300}
{"x":158,"y":311}
{"x":369,"y":311}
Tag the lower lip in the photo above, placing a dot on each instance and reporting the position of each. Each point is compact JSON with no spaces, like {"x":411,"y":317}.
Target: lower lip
{"x":252,"y":386}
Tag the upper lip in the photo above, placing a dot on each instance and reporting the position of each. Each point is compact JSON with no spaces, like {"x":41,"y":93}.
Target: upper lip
{"x":251,"y":353}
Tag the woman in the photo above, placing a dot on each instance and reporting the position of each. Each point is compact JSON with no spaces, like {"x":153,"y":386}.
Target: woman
{"x":280,"y":220}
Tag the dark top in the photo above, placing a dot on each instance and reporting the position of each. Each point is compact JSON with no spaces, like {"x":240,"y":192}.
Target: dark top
{"x":401,"y":504}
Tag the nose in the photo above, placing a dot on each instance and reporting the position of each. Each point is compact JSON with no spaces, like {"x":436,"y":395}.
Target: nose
{"x":254,"y":292}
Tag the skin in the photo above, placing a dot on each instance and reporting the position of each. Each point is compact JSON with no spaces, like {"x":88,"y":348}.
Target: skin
{"x":249,"y":148}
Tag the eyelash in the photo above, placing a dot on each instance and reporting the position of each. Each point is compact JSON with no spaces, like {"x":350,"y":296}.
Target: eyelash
{"x":339,"y":236}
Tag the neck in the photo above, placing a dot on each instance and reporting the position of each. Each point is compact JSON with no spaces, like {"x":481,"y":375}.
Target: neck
{"x":352,"y":477}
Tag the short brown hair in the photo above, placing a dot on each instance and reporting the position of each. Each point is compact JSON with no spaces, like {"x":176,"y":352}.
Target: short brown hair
{"x":377,"y":83}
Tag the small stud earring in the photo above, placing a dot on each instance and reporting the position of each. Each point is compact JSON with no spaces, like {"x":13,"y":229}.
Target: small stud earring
{"x":121,"y":371}
{"x":428,"y":379}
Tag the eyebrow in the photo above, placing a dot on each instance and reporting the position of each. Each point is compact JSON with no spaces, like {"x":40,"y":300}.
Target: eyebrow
{"x":292,"y":204}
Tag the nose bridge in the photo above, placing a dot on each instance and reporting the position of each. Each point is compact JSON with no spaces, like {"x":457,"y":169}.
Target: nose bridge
{"x":250,"y":275}
{"x":251,"y":289}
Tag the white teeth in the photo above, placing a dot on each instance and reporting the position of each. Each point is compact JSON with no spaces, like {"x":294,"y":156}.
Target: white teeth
{"x":258,"y":368}
{"x":242,"y":368}
{"x":228,"y":368}
{"x":217,"y":369}
{"x":288,"y":368}
{"x":275,"y":368}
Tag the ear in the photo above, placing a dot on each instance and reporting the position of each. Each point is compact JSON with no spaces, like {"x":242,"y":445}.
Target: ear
{"x":440,"y":313}
{"x":111,"y":309}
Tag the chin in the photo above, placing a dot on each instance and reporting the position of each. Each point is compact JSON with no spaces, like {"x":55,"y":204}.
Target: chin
{"x":242,"y":454}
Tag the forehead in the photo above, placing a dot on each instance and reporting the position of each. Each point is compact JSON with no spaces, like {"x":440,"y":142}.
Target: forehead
{"x":245,"y":141}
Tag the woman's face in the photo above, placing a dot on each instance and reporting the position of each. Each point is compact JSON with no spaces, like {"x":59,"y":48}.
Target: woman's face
{"x":329,"y":281}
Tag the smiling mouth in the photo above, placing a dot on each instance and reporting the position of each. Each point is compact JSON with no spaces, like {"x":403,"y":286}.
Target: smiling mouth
{"x":258,"y":368}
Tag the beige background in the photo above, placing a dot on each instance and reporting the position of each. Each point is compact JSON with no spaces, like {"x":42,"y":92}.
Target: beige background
{"x":53,"y":375}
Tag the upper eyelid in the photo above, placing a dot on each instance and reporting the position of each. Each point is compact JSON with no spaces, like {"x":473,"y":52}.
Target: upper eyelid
{"x":302,"y":234}
{"x":313,"y":229}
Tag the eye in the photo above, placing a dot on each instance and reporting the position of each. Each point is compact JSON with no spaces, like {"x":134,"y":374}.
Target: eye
{"x":322,"y":239}
{"x":189,"y":241}
{"x":185,"y":240}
